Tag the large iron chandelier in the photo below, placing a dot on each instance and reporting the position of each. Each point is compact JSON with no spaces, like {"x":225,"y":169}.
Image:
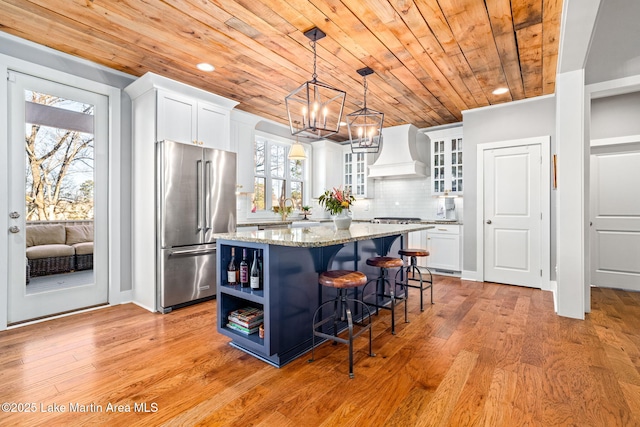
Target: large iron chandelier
{"x":315,"y":107}
{"x":365,"y":125}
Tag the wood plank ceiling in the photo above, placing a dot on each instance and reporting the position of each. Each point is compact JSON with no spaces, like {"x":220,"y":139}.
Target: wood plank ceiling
{"x":431,"y":58}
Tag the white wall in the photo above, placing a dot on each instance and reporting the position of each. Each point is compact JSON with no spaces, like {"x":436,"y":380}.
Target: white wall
{"x":615,"y":116}
{"x":515,"y":120}
{"x":614,"y":52}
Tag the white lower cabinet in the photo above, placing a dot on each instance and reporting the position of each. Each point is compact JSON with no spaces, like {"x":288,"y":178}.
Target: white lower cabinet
{"x":418,"y":240}
{"x":444,"y":246}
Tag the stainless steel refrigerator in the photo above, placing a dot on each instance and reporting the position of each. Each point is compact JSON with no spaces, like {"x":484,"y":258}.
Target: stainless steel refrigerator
{"x":196,"y":198}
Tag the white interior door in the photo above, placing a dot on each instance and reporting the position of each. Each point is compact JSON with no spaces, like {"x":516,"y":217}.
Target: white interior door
{"x":512,"y":215}
{"x":39,"y":110}
{"x":615,"y":217}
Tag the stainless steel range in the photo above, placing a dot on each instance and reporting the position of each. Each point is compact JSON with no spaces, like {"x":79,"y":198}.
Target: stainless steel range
{"x":395,"y":220}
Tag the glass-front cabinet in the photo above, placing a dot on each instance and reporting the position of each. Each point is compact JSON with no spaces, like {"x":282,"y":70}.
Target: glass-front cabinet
{"x":446,"y":161}
{"x":355,"y":168}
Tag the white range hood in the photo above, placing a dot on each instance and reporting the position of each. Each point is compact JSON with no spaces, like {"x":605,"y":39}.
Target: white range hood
{"x":400,"y":154}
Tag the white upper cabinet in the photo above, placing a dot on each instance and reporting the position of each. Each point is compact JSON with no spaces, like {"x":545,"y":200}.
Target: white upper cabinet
{"x":213,"y":126}
{"x":188,"y":120}
{"x":179,"y":112}
{"x":446,"y":161}
{"x":355,"y":169}
{"x":176,"y":117}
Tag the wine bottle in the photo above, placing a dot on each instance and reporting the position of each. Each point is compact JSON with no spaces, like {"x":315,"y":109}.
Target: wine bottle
{"x":255,"y":272}
{"x":232,"y":269}
{"x":261,"y":269}
{"x":244,"y":270}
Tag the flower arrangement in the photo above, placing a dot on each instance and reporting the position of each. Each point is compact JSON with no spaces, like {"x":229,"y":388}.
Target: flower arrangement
{"x":336,"y":200}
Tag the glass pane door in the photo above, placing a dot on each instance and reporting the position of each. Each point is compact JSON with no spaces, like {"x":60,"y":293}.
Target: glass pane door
{"x":54,"y":132}
{"x":59,"y":165}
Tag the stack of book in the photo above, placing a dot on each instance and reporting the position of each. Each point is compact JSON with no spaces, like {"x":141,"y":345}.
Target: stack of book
{"x":245,"y":320}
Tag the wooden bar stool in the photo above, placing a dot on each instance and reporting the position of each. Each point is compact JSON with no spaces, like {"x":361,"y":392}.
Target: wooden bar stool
{"x":342,"y":280}
{"x":384,"y":263}
{"x":412,"y":271}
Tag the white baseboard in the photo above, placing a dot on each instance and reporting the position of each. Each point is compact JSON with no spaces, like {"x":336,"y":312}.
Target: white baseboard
{"x":153,"y":310}
{"x":123,"y":297}
{"x":553,"y":287}
{"x":469,"y":275}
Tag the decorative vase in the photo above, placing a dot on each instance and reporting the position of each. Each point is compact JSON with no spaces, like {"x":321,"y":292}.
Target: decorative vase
{"x":342,"y":220}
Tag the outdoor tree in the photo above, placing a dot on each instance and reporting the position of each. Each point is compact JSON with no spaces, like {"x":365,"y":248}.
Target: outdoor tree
{"x":56,"y":157}
{"x":86,"y":190}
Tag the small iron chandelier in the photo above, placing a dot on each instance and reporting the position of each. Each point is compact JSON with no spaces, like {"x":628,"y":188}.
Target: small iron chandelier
{"x":365,"y":125}
{"x":315,"y":105}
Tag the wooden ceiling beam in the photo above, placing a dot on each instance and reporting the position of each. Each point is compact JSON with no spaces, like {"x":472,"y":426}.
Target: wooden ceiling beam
{"x":530,"y":52}
{"x":444,"y":49}
{"x":502,"y":26}
{"x":469,"y":23}
{"x":356,"y":58}
{"x":431,"y":58}
{"x":399,"y":39}
{"x":338,"y":16}
{"x":551,"y":12}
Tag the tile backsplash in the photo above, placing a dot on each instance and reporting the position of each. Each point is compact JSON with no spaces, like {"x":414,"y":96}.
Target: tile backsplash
{"x":406,"y":197}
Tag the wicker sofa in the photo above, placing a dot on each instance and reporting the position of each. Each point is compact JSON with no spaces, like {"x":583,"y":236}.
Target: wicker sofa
{"x":58,"y":248}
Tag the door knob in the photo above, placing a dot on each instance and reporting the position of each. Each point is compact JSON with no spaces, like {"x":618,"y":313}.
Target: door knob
{"x":14,"y":229}
{"x":488,"y":221}
{"x":14,"y":215}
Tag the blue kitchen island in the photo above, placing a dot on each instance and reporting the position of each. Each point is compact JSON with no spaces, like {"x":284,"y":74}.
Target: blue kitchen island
{"x":292,"y":259}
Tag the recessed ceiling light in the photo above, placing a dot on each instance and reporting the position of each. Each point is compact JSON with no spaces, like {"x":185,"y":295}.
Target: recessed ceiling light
{"x":203,"y":66}
{"x":500,"y":91}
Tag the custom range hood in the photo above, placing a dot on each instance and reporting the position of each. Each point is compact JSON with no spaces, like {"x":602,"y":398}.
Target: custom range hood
{"x":404,"y":154}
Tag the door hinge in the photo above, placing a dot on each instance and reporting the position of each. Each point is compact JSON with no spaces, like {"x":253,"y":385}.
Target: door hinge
{"x":540,"y":273}
{"x":11,"y":76}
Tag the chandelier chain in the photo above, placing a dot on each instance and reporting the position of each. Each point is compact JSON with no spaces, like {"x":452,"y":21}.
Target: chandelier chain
{"x":314,"y":76}
{"x":366,"y":86}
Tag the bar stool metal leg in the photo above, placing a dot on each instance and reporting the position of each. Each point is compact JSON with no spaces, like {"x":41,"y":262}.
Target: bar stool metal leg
{"x":342,"y":311}
{"x":382,"y":284}
{"x":412,"y":271}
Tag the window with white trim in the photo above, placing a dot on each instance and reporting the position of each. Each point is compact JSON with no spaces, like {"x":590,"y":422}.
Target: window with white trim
{"x":276,"y":176}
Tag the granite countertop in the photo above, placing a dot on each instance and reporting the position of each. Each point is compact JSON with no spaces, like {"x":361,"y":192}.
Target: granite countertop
{"x":287,"y":222}
{"x":271,"y":222}
{"x":313,"y":237}
{"x":441,"y":221}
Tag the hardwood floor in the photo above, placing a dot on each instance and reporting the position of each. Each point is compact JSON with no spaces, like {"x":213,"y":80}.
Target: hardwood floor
{"x":483,"y":354}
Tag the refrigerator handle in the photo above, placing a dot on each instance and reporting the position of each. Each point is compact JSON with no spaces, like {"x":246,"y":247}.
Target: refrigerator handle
{"x":193,"y":252}
{"x":208,"y":175}
{"x":199,"y":195}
